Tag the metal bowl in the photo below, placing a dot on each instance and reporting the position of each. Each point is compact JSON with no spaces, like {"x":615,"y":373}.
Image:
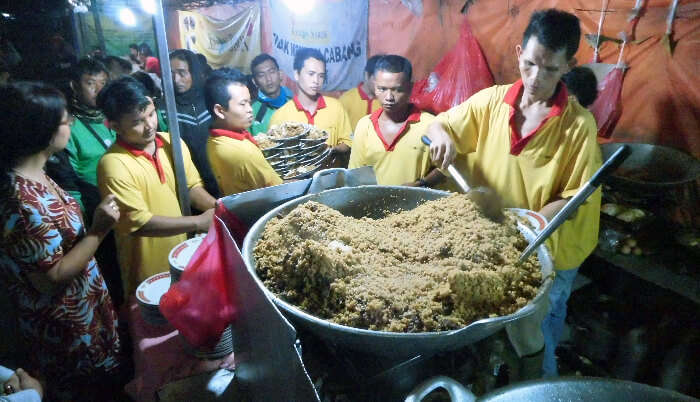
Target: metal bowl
{"x":651,"y":169}
{"x":372,"y":201}
{"x":272,"y":151}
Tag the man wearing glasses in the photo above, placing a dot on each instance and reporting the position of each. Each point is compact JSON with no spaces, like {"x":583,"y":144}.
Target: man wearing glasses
{"x":271,"y":94}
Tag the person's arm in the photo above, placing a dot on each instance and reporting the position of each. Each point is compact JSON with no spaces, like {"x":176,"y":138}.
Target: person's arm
{"x":75,"y":260}
{"x":341,"y":148}
{"x":54,"y":264}
{"x":164,"y":226}
{"x":201,"y":199}
{"x":442,"y":148}
{"x":432,"y":179}
{"x":457,"y":130}
{"x":551,"y":209}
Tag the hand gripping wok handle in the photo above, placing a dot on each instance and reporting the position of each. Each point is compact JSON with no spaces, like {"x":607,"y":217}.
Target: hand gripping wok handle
{"x":451,"y":169}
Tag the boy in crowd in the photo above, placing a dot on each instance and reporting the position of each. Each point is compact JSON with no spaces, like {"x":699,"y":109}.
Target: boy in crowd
{"x":139,"y":171}
{"x":361,"y":100}
{"x":271,"y":94}
{"x":235,"y":158}
{"x":389,"y":139}
{"x":309,"y":106}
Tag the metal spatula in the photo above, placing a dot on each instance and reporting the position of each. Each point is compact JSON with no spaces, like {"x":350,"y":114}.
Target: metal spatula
{"x":488,"y":201}
{"x":608,"y":167}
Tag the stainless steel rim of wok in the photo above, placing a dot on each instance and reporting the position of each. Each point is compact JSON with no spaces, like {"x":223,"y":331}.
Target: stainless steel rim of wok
{"x":583,"y":389}
{"x":370,"y":201}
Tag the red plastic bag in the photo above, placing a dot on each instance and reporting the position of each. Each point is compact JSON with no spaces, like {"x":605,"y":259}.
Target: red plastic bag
{"x":461,"y":73}
{"x":200,"y":305}
{"x":607,"y":107}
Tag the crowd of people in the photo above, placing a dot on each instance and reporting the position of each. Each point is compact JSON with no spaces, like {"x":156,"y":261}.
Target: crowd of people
{"x":89,"y":199}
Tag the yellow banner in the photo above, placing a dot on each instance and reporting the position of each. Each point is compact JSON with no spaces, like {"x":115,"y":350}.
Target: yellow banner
{"x":233,"y":42}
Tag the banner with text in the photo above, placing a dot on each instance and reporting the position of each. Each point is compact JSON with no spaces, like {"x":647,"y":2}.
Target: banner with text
{"x":233,"y":42}
{"x":337,"y":28}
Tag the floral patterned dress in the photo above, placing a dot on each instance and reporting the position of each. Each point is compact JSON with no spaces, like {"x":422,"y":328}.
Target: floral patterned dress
{"x":72,"y":332}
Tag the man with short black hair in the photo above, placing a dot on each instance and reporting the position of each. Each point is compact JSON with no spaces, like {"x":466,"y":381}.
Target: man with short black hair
{"x":89,"y":138}
{"x":361,"y":100}
{"x":536,"y":148}
{"x":139,"y":171}
{"x":271,"y":94}
{"x":192,"y":115}
{"x":309,"y":106}
{"x":235,"y":158}
{"x":389,"y":139}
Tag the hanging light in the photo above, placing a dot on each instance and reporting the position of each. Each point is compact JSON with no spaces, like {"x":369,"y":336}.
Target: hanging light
{"x":127,"y":17}
{"x":300,"y":7}
{"x":149,"y":6}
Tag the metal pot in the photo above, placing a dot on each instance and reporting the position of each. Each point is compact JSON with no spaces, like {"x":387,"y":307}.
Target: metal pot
{"x":583,"y":389}
{"x":372,"y":201}
{"x":651,"y":169}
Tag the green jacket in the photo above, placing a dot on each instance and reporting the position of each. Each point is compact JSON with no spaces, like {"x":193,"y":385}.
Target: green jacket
{"x":85,"y":150}
{"x":261,"y":125}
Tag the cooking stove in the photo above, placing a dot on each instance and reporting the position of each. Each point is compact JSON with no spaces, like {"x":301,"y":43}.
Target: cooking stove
{"x":342,"y":375}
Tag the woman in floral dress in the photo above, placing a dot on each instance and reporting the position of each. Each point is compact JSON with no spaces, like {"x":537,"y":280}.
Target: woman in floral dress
{"x":65,"y":316}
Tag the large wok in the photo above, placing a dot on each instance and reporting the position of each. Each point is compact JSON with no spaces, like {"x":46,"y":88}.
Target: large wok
{"x":651,"y":170}
{"x":372,"y":201}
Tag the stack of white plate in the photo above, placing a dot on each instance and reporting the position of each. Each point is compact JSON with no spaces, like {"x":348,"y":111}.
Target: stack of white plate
{"x":180,"y":256}
{"x":148,"y":295}
{"x":223,"y":348}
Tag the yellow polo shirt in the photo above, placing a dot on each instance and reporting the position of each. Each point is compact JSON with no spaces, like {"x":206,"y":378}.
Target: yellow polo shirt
{"x":144,"y":187}
{"x":555,"y":160}
{"x":358,"y":104}
{"x":237,"y":162}
{"x":404,"y":160}
{"x":329,"y":116}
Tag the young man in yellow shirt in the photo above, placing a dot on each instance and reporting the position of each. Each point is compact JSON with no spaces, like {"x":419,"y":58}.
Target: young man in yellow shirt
{"x":139,"y":171}
{"x":389,"y":139}
{"x":309,"y":106}
{"x":361,"y":100}
{"x":235,"y":158}
{"x":536,"y":147}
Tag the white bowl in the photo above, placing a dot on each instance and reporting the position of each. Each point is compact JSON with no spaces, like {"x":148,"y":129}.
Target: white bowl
{"x":181,"y":254}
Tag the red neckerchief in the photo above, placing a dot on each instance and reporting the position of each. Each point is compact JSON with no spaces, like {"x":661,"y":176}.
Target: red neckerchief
{"x":154,"y":160}
{"x":365,"y":97}
{"x":518,"y":142}
{"x":320,"y":104}
{"x":413,"y":117}
{"x":245,"y":135}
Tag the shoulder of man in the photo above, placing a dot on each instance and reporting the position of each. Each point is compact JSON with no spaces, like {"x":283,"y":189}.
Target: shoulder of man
{"x":332,"y":102}
{"x":577,"y":116}
{"x":349,"y":94}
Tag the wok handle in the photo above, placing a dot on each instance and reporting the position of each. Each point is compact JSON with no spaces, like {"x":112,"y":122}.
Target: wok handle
{"x":457,"y":392}
{"x":611,"y":164}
